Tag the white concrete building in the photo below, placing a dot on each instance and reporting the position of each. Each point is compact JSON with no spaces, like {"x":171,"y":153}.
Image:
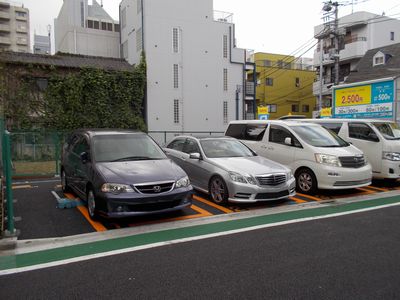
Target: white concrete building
{"x":86,"y":29}
{"x":358,"y":33}
{"x":14,"y":28}
{"x":195,"y":74}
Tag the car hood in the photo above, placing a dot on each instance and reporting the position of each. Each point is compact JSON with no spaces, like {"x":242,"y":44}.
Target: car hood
{"x":255,"y":165}
{"x":134,"y":172}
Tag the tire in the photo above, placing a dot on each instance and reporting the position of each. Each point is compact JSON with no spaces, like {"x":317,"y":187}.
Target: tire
{"x":306,"y":182}
{"x":91,"y":204}
{"x":64,"y":183}
{"x":218,"y":190}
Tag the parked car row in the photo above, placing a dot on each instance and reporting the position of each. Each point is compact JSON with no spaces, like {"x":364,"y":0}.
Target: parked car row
{"x":125,"y":173}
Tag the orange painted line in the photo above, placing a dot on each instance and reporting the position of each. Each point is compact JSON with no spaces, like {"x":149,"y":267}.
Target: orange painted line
{"x":27,"y":186}
{"x":96,"y":225}
{"x":309,"y":197}
{"x":366,"y":191}
{"x":297,"y":200}
{"x":377,"y":188}
{"x":221,"y":208}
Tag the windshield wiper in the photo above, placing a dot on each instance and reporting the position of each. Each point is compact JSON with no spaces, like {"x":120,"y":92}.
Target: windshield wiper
{"x":132,"y":158}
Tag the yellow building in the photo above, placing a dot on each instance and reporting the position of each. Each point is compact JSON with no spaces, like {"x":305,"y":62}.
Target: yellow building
{"x":284,"y":84}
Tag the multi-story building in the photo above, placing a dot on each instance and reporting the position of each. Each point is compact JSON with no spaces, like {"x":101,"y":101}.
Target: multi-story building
{"x":195,"y":73}
{"x":357,"y":33}
{"x":284,"y":84}
{"x":41,"y":44}
{"x":14,"y":28}
{"x":86,"y":29}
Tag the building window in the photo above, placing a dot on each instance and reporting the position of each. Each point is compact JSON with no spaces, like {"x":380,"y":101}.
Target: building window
{"x":103,"y":26}
{"x":123,"y":18}
{"x":139,"y":40}
{"x":297,"y":82}
{"x":125,"y":50}
{"x":225,"y":112}
{"x":116,"y":27}
{"x":176,"y":76}
{"x":295,"y":108}
{"x":175,"y":40}
{"x":305,"y":108}
{"x":225,"y":79}
{"x":269,"y":81}
{"x":225,"y":45}
{"x":272,"y":108}
{"x":82,"y":14}
{"x":280,"y":64}
{"x":392,"y":35}
{"x":267,"y":63}
{"x":139,"y":6}
{"x":89,"y":24}
{"x":20,"y":14}
{"x":176,"y":111}
{"x":96,"y":25}
{"x":109,"y":26}
{"x":378,"y":60}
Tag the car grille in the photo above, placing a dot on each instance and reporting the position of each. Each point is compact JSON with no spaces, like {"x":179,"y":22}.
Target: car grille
{"x":273,"y":179}
{"x":352,"y":161}
{"x":275,"y":195}
{"x":154,"y":187}
{"x":153,"y":206}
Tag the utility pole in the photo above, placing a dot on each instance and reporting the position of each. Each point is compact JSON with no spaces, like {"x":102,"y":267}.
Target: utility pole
{"x":336,"y":37}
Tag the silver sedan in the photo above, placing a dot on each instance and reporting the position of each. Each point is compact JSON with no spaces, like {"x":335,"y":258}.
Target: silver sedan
{"x":229,"y":171}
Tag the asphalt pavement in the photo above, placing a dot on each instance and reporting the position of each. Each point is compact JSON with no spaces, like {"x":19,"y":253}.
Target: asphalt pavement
{"x":354,"y":256}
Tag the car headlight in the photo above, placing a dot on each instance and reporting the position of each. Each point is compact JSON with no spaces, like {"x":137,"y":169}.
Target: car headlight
{"x":391,"y":155}
{"x":290,"y":175}
{"x":242,"y":179}
{"x":183,"y":182}
{"x":116,"y":188}
{"x":327,"y":159}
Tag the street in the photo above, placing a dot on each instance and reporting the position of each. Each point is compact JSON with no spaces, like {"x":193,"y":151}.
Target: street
{"x":353,"y":256}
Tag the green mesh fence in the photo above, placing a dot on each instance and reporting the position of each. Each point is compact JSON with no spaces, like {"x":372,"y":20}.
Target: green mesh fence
{"x":36,"y":153}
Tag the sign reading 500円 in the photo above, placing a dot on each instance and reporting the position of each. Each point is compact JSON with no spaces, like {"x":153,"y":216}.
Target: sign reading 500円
{"x":373,"y":100}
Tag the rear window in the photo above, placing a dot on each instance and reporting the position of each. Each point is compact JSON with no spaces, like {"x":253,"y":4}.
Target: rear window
{"x":249,"y":132}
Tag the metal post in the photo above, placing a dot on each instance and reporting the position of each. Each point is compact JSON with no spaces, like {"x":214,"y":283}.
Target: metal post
{"x":321,"y":68}
{"x":8,"y":175}
{"x":336,"y":34}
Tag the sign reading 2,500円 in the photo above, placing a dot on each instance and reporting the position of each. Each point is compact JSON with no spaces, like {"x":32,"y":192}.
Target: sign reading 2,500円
{"x":373,"y":100}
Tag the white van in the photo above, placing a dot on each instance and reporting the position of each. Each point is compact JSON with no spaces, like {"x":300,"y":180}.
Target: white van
{"x":378,"y":139}
{"x":317,"y":157}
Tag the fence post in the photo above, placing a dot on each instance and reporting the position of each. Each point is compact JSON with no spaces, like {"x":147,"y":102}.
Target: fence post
{"x":8,"y":175}
{"x":57,"y":152}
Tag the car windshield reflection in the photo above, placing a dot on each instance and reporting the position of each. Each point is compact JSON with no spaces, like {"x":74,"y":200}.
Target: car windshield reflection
{"x":218,"y":148}
{"x":318,"y":136}
{"x":125,"y":147}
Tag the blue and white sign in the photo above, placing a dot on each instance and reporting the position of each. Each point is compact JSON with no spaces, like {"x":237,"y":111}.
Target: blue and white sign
{"x":263,"y":117}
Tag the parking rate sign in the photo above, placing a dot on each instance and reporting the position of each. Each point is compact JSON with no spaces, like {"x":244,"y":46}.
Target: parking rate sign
{"x":373,"y":100}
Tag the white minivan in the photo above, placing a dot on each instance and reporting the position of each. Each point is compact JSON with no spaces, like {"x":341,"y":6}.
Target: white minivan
{"x":317,"y":157}
{"x":378,"y":139}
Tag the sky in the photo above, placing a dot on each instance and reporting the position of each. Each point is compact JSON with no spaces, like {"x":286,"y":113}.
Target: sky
{"x":279,"y":26}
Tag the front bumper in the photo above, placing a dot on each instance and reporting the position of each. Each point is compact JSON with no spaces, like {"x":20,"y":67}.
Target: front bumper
{"x":136,"y":204}
{"x":247,"y":193}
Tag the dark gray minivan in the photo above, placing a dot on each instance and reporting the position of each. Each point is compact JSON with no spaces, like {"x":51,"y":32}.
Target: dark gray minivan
{"x":122,"y":173}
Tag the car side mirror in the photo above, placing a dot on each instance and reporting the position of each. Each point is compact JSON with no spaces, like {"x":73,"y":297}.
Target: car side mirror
{"x":195,"y":156}
{"x":85,"y":157}
{"x":288,"y":141}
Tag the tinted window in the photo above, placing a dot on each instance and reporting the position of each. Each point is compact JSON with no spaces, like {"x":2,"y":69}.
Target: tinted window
{"x":390,"y":131}
{"x":335,"y":127}
{"x":278,"y":134}
{"x":214,"y":148}
{"x":191,"y":146}
{"x":362,"y":131}
{"x":249,"y":132}
{"x":177,"y":144}
{"x":319,"y":136}
{"x":125,"y":147}
{"x":80,"y":146}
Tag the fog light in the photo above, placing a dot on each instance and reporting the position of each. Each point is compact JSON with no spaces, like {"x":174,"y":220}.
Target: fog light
{"x":120,"y":209}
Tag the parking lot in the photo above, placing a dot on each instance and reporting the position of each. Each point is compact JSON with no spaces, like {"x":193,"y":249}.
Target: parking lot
{"x":44,"y":211}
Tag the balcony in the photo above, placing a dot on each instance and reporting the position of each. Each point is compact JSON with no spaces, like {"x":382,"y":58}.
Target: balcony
{"x":249,"y":88}
{"x":222,"y":16}
{"x":4,"y":15}
{"x":22,"y":29}
{"x":4,"y":28}
{"x":22,"y":41}
{"x":5,"y":40}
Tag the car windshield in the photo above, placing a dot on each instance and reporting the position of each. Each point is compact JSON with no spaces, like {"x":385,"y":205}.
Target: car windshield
{"x":216,"y":148}
{"x":125,"y":147}
{"x":319,"y":136}
{"x":389,"y":130}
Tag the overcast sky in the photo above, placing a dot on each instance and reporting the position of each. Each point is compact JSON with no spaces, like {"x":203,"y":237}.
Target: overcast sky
{"x":279,"y":26}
